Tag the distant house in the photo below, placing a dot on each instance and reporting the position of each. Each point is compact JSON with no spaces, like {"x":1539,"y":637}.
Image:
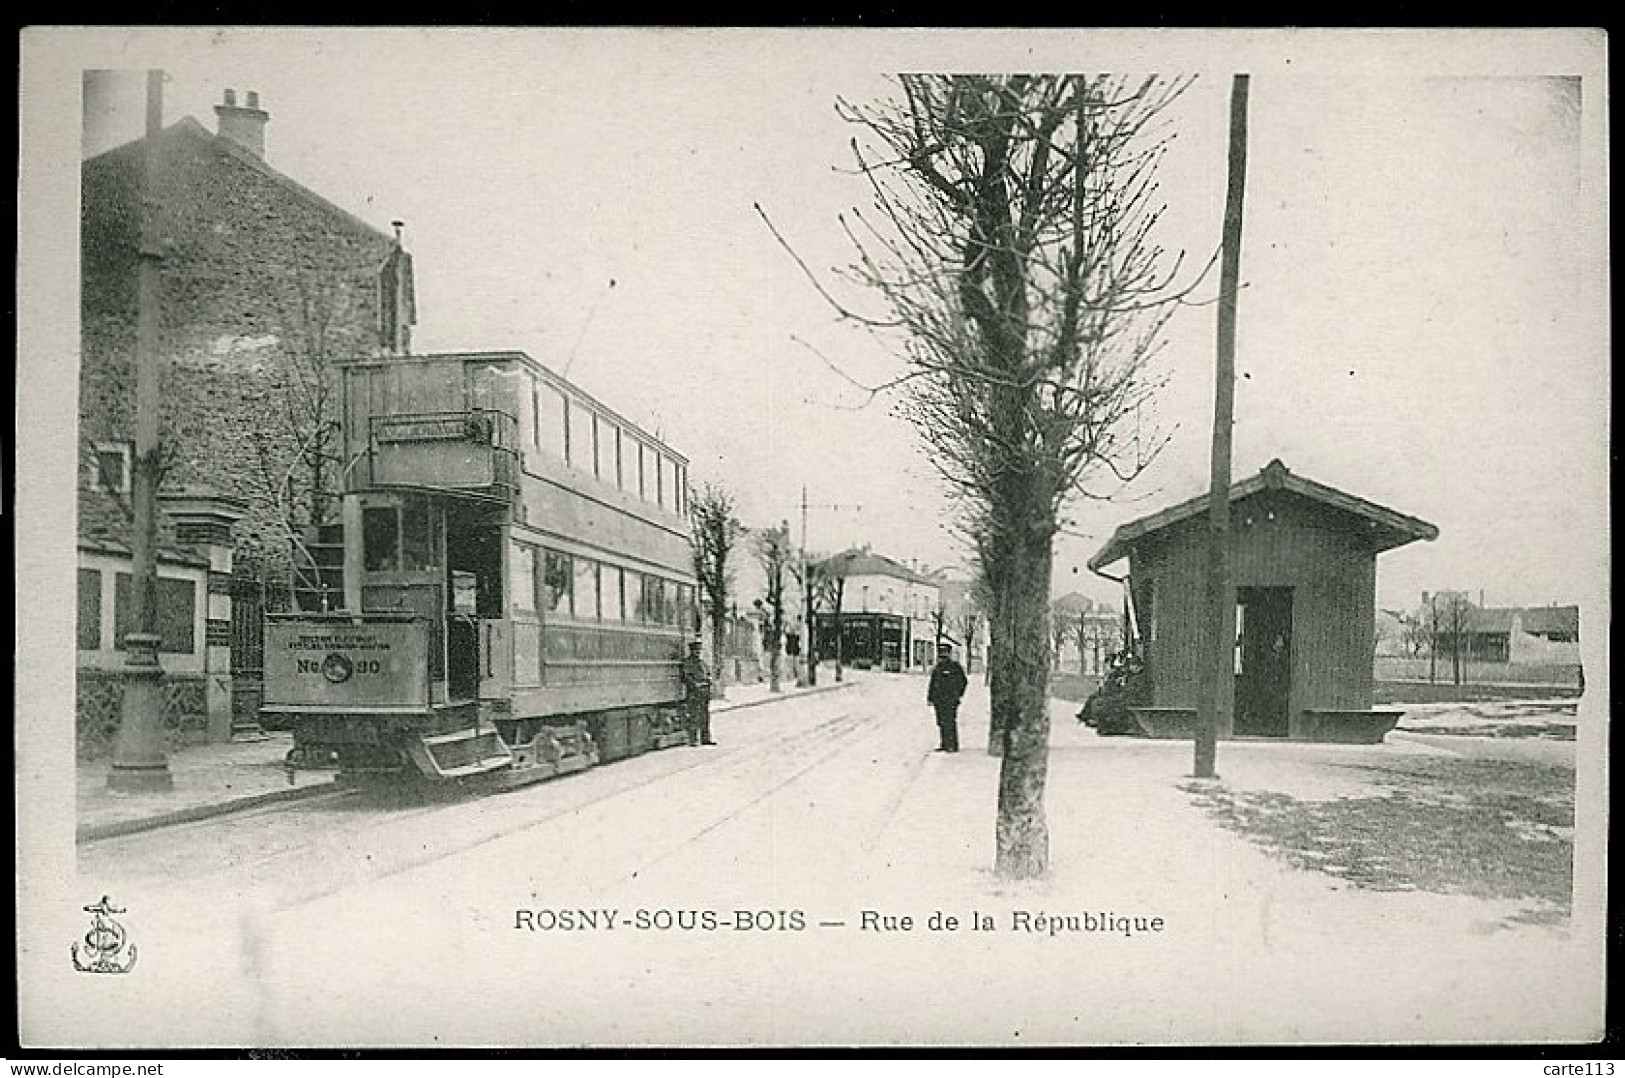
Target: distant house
{"x":1537,"y":634}
{"x":888,"y":613}
{"x":1090,"y":631}
{"x":261,"y":283}
{"x":964,"y":624}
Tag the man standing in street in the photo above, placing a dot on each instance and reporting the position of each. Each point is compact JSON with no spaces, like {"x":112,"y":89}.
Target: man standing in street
{"x":697,"y":684}
{"x":946,"y":689}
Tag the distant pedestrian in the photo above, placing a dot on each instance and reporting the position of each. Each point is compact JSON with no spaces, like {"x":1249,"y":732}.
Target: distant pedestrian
{"x":946,"y":689}
{"x":697,"y":697}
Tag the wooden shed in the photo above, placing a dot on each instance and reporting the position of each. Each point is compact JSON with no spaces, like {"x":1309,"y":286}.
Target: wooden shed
{"x":1303,"y":560}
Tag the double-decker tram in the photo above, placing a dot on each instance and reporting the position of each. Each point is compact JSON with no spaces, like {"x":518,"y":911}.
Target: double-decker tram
{"x":509,"y":589}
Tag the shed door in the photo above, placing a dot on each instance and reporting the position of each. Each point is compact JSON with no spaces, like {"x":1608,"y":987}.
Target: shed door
{"x":1263,"y":661}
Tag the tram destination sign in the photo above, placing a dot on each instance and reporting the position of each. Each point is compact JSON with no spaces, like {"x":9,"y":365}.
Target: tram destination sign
{"x":322,"y":664}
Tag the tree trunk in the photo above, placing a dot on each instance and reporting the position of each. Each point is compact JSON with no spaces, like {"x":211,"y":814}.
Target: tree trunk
{"x":840,"y":643}
{"x":718,"y":680}
{"x":1022,"y":833}
{"x":773,"y":667}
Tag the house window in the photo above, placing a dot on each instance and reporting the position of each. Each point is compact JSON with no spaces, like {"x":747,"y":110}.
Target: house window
{"x":110,"y":468}
{"x":660,"y":480}
{"x":90,"y":610}
{"x":177,"y":606}
{"x":643,"y":482}
{"x":620,"y":466}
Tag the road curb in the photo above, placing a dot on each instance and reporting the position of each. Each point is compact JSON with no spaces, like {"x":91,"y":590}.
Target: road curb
{"x":120,"y":828}
{"x":781,"y":698}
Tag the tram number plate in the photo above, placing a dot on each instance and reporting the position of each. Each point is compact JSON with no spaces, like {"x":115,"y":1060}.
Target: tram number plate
{"x":349,"y":666}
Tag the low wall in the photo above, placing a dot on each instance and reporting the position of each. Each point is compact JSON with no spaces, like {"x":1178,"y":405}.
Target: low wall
{"x":1391,"y":668}
{"x":1422,"y":692}
{"x":99,"y":704}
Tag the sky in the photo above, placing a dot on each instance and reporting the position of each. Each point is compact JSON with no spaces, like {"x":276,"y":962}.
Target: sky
{"x":1422,"y":321}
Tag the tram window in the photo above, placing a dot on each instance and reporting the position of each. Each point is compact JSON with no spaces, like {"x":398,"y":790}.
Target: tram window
{"x":380,"y":539}
{"x":612,"y":579}
{"x":581,"y":438}
{"x":634,"y":596}
{"x":586,"y":588}
{"x":556,"y":580}
{"x":685,"y":605}
{"x":552,"y":431}
{"x":522,"y":576}
{"x":417,"y":535}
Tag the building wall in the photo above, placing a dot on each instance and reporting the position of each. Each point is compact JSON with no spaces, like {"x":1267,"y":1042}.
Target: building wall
{"x":1523,"y":647}
{"x":1303,"y":546}
{"x":100,"y":676}
{"x":916,"y":602}
{"x":98,"y":617}
{"x":258,"y":278}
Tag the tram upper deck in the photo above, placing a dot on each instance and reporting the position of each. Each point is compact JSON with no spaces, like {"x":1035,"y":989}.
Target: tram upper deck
{"x":542,"y":535}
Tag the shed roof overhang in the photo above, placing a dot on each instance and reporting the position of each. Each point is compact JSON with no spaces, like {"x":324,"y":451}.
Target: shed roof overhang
{"x":1384,"y":528}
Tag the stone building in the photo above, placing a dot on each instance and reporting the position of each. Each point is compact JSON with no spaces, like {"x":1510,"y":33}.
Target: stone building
{"x":263,"y":283}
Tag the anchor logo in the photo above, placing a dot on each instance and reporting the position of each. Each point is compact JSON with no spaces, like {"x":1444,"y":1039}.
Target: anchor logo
{"x":104,"y":942}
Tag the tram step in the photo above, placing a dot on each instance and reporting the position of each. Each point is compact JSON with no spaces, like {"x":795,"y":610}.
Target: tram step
{"x":456,"y":736}
{"x":465,"y":752}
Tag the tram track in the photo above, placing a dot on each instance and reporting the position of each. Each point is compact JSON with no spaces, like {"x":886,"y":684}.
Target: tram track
{"x":361,"y":854}
{"x":872,"y":730}
{"x":410,"y":803}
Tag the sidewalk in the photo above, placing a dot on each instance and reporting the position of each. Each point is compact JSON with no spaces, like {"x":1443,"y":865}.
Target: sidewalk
{"x":1253,"y":946}
{"x":212,"y":780}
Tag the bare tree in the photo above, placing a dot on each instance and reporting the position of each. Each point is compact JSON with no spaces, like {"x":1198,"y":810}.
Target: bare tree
{"x":1012,"y":246}
{"x":773,"y":554}
{"x":297,"y":445}
{"x":1449,"y":614}
{"x":716,"y":532}
{"x":1063,"y":629}
{"x":968,"y":624}
{"x":829,"y":585}
{"x":1413,"y":633}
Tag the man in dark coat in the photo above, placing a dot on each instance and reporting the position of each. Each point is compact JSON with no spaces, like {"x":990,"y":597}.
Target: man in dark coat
{"x":946,"y":689}
{"x":697,"y":684}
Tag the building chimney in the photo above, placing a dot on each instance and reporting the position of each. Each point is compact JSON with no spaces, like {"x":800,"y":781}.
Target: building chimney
{"x":244,"y":125}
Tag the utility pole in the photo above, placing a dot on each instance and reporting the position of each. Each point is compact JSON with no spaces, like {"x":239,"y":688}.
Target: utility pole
{"x":138,"y":754}
{"x":808,"y":654}
{"x":809,"y":645}
{"x":1215,"y":701}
